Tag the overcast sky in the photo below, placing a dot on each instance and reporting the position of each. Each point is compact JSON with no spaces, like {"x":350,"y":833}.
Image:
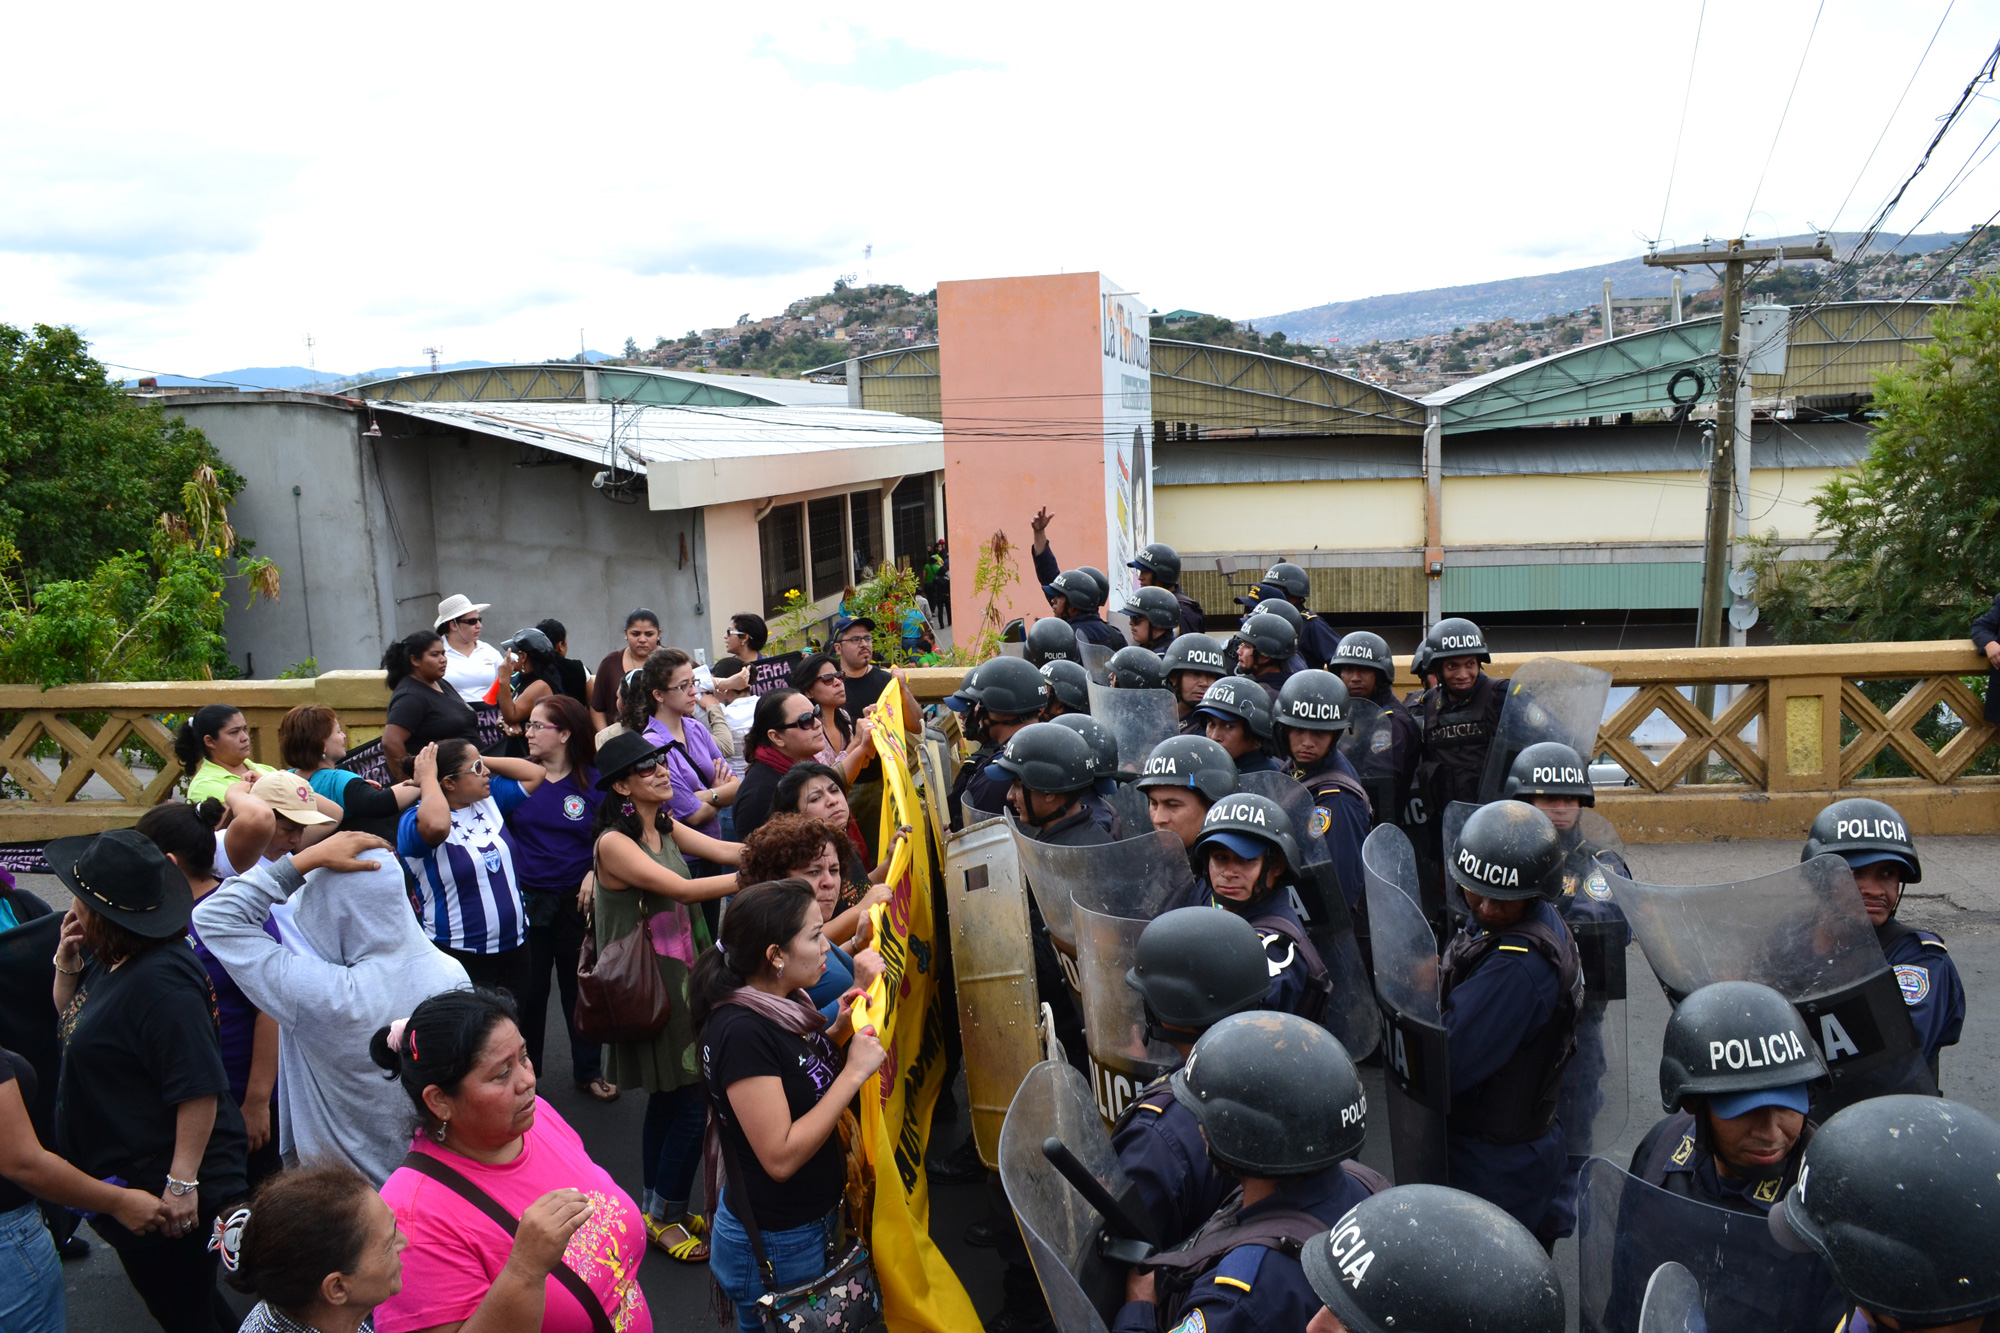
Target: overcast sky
{"x":199,"y":188}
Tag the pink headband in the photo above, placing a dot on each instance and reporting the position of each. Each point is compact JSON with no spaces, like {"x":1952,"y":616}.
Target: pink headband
{"x":397,"y":1032}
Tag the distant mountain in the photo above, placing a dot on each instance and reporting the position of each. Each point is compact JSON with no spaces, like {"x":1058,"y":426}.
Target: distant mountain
{"x":1441,"y":309}
{"x":304,"y":377}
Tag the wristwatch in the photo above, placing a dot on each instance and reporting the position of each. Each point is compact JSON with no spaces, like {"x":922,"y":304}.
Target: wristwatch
{"x":178,"y":1188}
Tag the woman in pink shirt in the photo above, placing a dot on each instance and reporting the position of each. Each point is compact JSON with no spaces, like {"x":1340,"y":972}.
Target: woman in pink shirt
{"x":487,"y":1149}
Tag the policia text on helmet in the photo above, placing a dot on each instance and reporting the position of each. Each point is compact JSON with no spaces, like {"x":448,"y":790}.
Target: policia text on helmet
{"x":1183,"y":777}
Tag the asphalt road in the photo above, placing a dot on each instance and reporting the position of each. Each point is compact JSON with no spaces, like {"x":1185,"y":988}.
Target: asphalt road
{"x":1959,"y":898}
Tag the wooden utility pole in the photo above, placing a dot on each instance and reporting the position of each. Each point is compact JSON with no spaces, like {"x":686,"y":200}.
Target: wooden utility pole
{"x":1714,"y":609}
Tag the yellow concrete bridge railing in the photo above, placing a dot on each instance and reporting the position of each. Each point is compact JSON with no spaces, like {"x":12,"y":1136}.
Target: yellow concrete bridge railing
{"x":1786,"y":730}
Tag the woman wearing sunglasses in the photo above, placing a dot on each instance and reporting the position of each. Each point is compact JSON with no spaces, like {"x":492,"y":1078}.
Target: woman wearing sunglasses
{"x":846,"y":748}
{"x":471,"y":667}
{"x":785,"y":730}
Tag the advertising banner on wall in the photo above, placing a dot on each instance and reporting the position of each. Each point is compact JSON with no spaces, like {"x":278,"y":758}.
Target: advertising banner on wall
{"x":1128,"y":418}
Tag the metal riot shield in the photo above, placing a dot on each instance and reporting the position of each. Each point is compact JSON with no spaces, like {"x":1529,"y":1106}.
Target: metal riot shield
{"x":931,"y":762}
{"x":1673,"y":1302}
{"x":1803,"y":932}
{"x":1059,"y":1226}
{"x":1137,"y":719}
{"x":1548,"y":699}
{"x":1416,"y":1056}
{"x":975,"y":815}
{"x":1096,"y":661}
{"x":1627,"y":1228}
{"x":993,"y":957}
{"x":1322,"y":908}
{"x":1366,"y":744}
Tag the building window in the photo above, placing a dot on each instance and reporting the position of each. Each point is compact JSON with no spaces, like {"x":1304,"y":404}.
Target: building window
{"x":826,"y":520}
{"x":915,"y":528}
{"x":782,"y":544}
{"x":865,"y":513}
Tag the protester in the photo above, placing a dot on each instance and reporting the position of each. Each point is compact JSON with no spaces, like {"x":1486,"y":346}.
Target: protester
{"x":213,"y":746}
{"x":785,"y":730}
{"x":816,"y":791}
{"x":31,"y":1281}
{"x":249,"y":1037}
{"x":777,"y":1084}
{"x":642,"y":636}
{"x":854,"y":647}
{"x":312,"y":743}
{"x":847,"y":747}
{"x":318,"y":1248}
{"x":142,"y":1092}
{"x":575,"y":676}
{"x":674,"y":717}
{"x":276,"y":814}
{"x":640,"y":849}
{"x":422,"y":710}
{"x":486,"y":1142}
{"x":451,"y":842}
{"x":742,"y":643}
{"x":549,"y":835}
{"x":532,"y":673}
{"x":471,"y":666}
{"x":810,"y":851}
{"x":355,"y":958}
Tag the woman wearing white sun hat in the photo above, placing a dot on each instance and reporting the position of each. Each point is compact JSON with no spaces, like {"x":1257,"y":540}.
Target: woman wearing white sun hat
{"x":471,"y":666}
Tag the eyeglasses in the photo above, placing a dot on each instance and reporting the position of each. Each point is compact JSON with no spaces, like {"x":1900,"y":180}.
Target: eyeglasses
{"x":733,"y":633}
{"x":478,"y":766}
{"x":833,"y":679}
{"x":851,"y":640}
{"x":685,"y":687}
{"x":646,"y":765}
{"x":471,"y":620}
{"x":807,"y":722}
{"x":537,"y":724}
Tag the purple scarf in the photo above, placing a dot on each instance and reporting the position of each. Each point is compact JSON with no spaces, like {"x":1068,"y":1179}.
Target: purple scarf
{"x":796,"y":1015}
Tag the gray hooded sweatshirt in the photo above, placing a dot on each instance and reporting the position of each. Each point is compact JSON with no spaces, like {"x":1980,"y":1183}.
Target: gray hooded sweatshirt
{"x":372,"y":965}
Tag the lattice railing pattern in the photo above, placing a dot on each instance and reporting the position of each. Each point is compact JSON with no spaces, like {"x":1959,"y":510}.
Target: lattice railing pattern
{"x":1897,"y":729}
{"x":1700,"y":736}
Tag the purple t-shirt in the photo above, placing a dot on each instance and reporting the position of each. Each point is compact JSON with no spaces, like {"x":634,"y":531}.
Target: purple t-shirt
{"x":550,"y":833}
{"x":690,"y":779}
{"x":235,"y":1016}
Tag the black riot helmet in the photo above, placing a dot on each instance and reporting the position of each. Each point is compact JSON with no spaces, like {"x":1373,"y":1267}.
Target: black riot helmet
{"x":1137,"y":669}
{"x":1050,"y":639}
{"x":1103,"y":745}
{"x":1194,"y":762}
{"x":1078,"y":589}
{"x":1508,"y":850}
{"x":1863,"y":832}
{"x":1899,"y":1195}
{"x":1270,"y":636}
{"x":967,"y":694}
{"x":1313,"y":700}
{"x":1420,"y":660}
{"x":1156,"y":606}
{"x":1363,"y":649}
{"x":1249,"y":825}
{"x":1548,"y":768}
{"x":1195,"y":966}
{"x":1427,"y":1259}
{"x":1455,"y":636}
{"x":1011,"y":687}
{"x":1283,"y":579}
{"x":1275,"y":1095}
{"x":1068,"y":682}
{"x":1101,"y":579}
{"x":1242,"y":700}
{"x":1735,"y":1037}
{"x":1160,"y":560}
{"x":1197,"y":652}
{"x":1284,"y":610}
{"x":1048,"y":757}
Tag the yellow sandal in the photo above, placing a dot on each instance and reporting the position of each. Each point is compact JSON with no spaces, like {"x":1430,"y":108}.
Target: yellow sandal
{"x":689,"y":1249}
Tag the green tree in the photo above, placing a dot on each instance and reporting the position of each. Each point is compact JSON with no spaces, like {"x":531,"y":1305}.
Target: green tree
{"x":84,"y":469}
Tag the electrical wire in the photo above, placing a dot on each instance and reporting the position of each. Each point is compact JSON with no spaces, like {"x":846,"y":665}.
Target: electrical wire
{"x":1782,"y":115}
{"x":1834,"y":225}
{"x":1687,"y":95}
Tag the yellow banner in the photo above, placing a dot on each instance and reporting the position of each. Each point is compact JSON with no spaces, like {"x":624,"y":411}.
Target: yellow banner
{"x":919,"y":1289}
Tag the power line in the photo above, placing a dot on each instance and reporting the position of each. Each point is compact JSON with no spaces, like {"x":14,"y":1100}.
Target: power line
{"x":1687,"y":95}
{"x":1835,"y":224}
{"x":1782,"y":115}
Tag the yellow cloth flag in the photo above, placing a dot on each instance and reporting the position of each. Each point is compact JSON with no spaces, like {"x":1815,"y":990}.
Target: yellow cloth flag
{"x":919,"y":1289}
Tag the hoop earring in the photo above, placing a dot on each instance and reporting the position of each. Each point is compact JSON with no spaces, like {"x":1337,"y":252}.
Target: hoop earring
{"x":444,"y":1128}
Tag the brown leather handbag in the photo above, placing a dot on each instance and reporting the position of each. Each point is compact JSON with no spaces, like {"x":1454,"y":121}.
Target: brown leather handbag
{"x":620,"y":995}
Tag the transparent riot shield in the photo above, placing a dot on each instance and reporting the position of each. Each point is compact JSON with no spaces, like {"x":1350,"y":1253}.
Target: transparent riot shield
{"x":1322,"y":908}
{"x":1673,"y":1302}
{"x":1059,"y":1226}
{"x":1369,"y":737}
{"x":1051,"y":872}
{"x":993,"y":959}
{"x":1548,"y":699}
{"x":1134,"y":815}
{"x":1803,"y":932}
{"x":1627,"y":1228}
{"x":976,"y":815}
{"x":1137,"y":719}
{"x":1015,"y":649}
{"x":1096,"y":661}
{"x":931,"y":763}
{"x":1416,"y":1056}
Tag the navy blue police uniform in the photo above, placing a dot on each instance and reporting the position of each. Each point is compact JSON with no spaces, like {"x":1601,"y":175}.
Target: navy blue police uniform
{"x":1257,"y":761}
{"x":973,"y":784}
{"x":1162,"y":1152}
{"x":1931,"y":987}
{"x":1390,"y":761}
{"x":1672,"y":1157}
{"x":1192,"y":616}
{"x":1340,"y":819}
{"x":1090,"y":627}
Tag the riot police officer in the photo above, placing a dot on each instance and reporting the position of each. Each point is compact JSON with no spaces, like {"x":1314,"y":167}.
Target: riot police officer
{"x":1283,"y":1113}
{"x":1901,"y":1196}
{"x":1136,"y":669}
{"x":1238,"y":713}
{"x":1155,"y":616}
{"x":1734,"y":1074}
{"x":1074,"y":597}
{"x":1285,"y":611}
{"x":1317,"y":641}
{"x":1194,"y":967}
{"x":1388,"y":760}
{"x":1511,"y":986}
{"x":1048,"y":768}
{"x":1069,"y":684}
{"x":1265,"y":647}
{"x":997,"y":698}
{"x":1423,"y":1257}
{"x":1458,"y":721}
{"x":1249,"y":859}
{"x":1051,"y":639}
{"x":1194,"y":661}
{"x":1097,"y":798}
{"x":1159,"y":566}
{"x":1312,"y":714}
{"x":1183,"y":777}
{"x":1554,"y":779}
{"x":1425,"y":670}
{"x":1875,"y":842}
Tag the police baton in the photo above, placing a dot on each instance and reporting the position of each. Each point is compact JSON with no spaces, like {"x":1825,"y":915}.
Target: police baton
{"x":1128,"y":1237}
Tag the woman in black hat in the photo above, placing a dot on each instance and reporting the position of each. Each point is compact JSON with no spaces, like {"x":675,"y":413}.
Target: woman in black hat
{"x":143,"y":1089}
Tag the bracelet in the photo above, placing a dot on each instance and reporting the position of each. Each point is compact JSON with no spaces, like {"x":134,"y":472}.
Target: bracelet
{"x":56,"y":962}
{"x":181,"y":1188}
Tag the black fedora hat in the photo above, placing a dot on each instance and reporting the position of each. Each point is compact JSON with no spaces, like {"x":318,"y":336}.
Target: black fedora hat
{"x":621,"y":754}
{"x":123,"y":876}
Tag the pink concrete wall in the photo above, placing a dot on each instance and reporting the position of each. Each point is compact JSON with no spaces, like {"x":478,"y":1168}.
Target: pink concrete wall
{"x":1021,"y":373}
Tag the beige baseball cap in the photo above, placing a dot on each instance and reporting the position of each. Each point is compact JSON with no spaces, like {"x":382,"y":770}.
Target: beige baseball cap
{"x":290,"y":796}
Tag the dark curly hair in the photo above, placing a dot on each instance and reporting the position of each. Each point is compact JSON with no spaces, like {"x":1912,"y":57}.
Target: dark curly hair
{"x":784,"y":843}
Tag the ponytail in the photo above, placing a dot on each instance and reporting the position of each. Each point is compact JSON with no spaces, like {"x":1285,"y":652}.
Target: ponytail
{"x":191,"y":741}
{"x":758,"y":917}
{"x":399,"y":659}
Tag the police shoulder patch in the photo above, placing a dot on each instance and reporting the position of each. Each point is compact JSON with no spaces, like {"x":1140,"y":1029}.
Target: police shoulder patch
{"x":1239,"y":1267}
{"x":1914,"y":981}
{"x":1321,"y":821}
{"x":1194,"y":1323}
{"x":1381,"y":740}
{"x":1767,"y":1190}
{"x":1598,"y":887}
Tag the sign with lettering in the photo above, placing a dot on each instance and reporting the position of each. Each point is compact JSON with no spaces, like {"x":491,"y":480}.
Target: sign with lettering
{"x":773,"y":673}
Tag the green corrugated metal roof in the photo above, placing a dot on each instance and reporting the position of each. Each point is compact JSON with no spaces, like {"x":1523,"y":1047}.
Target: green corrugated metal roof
{"x":1470,"y":589}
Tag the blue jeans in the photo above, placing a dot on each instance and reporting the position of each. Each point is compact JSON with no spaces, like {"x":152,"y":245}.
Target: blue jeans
{"x":31,"y":1280}
{"x":798,"y":1255}
{"x":670,"y":1141}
